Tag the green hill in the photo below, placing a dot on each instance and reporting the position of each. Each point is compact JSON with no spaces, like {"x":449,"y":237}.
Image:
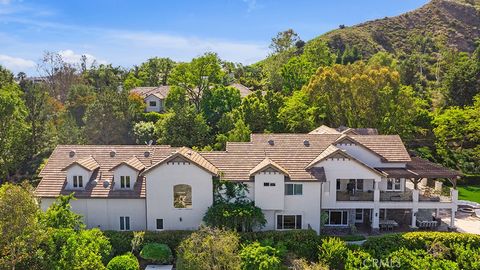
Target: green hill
{"x":457,"y":23}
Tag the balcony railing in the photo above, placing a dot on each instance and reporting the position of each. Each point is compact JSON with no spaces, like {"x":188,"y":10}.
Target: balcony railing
{"x":355,"y":196}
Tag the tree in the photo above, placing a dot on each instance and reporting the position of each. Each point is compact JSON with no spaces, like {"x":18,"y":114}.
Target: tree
{"x":68,"y":132}
{"x":105,"y":121}
{"x":105,"y":77}
{"x":296,"y":73}
{"x":218,"y":101}
{"x":156,"y":71}
{"x":79,"y":98}
{"x":318,"y":54}
{"x":39,"y":117}
{"x":60,"y":75}
{"x":144,"y":132}
{"x":21,"y":233}
{"x":197,"y":76}
{"x":60,"y":215}
{"x":183,"y":127}
{"x":14,"y":131}
{"x":209,"y":249}
{"x":284,"y":40}
{"x":298,"y":115}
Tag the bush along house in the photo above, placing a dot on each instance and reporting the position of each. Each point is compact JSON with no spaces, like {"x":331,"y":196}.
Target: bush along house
{"x":329,"y":179}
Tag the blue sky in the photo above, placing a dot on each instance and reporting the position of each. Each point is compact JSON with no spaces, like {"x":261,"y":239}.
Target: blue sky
{"x":126,"y":33}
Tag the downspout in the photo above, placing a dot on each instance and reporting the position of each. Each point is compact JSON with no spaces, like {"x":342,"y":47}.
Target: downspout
{"x":321,"y":199}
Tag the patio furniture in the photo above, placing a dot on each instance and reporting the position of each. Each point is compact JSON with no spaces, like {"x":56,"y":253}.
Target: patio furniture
{"x":426,"y":224}
{"x":387,"y":224}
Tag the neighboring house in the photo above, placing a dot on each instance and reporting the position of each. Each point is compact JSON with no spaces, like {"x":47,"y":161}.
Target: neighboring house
{"x":365,"y":180}
{"x":154,"y":97}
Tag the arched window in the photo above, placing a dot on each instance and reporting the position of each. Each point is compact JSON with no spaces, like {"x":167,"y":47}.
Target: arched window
{"x":182,"y":196}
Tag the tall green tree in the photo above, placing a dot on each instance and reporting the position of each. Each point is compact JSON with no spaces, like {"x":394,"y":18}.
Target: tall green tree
{"x":218,"y":101}
{"x":197,"y":76}
{"x":79,"y":98}
{"x":14,"y":130}
{"x":183,"y":127}
{"x":155,"y":71}
{"x":21,"y":234}
{"x":298,"y":115}
{"x":60,"y":215}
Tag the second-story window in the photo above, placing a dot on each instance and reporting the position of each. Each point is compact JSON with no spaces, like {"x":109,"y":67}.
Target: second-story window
{"x":153,"y":103}
{"x":268,"y":184}
{"x":182,"y":196}
{"x":393,"y":184}
{"x":77,"y":181}
{"x":293,"y":189}
{"x":124,"y":181}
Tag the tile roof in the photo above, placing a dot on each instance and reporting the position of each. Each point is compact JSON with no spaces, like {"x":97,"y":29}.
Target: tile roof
{"x":390,"y":147}
{"x":267,"y":163}
{"x":244,"y":91}
{"x":190,"y":155}
{"x":357,"y":131}
{"x":89,"y":163}
{"x":53,"y":177}
{"x":426,"y":169}
{"x":323,"y":129}
{"x":133,"y":163}
{"x":159,"y":91}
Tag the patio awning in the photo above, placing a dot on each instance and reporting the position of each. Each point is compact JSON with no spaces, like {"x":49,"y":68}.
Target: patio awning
{"x":426,"y":169}
{"x":398,"y":172}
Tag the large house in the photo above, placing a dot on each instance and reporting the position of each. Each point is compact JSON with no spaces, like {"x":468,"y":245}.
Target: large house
{"x":366,"y":180}
{"x":154,"y":97}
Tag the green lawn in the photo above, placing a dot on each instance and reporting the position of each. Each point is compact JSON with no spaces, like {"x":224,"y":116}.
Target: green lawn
{"x":469,"y":193}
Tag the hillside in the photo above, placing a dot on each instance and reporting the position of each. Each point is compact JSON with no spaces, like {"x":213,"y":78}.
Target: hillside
{"x":455,"y":22}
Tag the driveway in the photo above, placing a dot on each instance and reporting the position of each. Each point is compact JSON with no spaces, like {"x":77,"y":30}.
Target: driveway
{"x":465,"y":222}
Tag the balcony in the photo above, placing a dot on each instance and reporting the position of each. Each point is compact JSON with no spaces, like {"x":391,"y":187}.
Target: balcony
{"x":354,"y":196}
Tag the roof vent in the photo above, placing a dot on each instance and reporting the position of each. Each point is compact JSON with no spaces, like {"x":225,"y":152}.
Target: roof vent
{"x":72,"y":153}
{"x":271,"y":142}
{"x":113,"y":153}
{"x":306,"y":143}
{"x":146,"y":154}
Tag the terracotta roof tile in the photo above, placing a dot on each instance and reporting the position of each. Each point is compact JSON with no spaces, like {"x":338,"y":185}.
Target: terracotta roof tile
{"x":133,"y":163}
{"x":89,"y":163}
{"x":266,"y":163}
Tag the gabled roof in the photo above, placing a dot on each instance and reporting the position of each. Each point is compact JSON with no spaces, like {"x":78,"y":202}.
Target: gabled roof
{"x":133,"y":163}
{"x":334,"y":152}
{"x":159,"y":91}
{"x":189,"y":155}
{"x":268,"y":163}
{"x":244,"y":91}
{"x":350,"y":140}
{"x":390,"y":147}
{"x":89,"y":164}
{"x":357,"y":131}
{"x":323,"y":129}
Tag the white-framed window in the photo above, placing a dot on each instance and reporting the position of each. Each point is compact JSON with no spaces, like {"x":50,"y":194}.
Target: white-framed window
{"x":293,"y":189}
{"x":358,"y":215}
{"x":182,"y":196}
{"x":124,"y":223}
{"x":337,"y":218}
{"x":125,"y":181}
{"x":152,"y":103}
{"x":268,"y":184}
{"x":394,"y":184}
{"x":77,"y":181}
{"x":159,"y":223}
{"x":359,"y":184}
{"x":289,"y":222}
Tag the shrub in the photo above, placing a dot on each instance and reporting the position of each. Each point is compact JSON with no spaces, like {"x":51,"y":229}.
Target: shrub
{"x":152,"y":117}
{"x":255,"y":256}
{"x":301,"y":243}
{"x":137,"y":241}
{"x":465,"y":256}
{"x":333,"y":252}
{"x":159,"y":253}
{"x":302,"y":264}
{"x":209,"y":248}
{"x":360,"y":260}
{"x":120,"y":241}
{"x":124,"y":262}
{"x":415,"y":259}
{"x":353,"y":237}
{"x":170,"y":238}
{"x":243,"y":215}
{"x":380,"y":246}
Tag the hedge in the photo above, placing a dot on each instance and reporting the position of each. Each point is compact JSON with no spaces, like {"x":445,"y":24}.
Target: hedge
{"x":380,"y":246}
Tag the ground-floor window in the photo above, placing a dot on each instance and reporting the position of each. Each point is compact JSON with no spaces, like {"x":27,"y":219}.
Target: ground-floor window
{"x":159,"y":223}
{"x":289,"y":222}
{"x":124,"y":223}
{"x":358,"y":215}
{"x":337,"y":218}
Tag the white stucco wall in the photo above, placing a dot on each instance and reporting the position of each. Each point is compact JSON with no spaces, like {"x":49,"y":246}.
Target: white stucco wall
{"x":270,"y":197}
{"x":105,"y":213}
{"x":124,"y":170}
{"x":342,"y":169}
{"x":159,"y":187}
{"x":157,"y":108}
{"x":367,"y":156}
{"x":77,"y":170}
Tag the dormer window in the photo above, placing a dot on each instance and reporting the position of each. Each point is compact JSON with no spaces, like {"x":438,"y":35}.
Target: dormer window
{"x":153,"y":104}
{"x":78,"y":181}
{"x":125,"y":181}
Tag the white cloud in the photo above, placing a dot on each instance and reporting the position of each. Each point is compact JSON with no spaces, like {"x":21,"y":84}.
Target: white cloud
{"x":71,"y":57}
{"x":5,"y":2}
{"x":15,"y":63}
{"x":188,"y":47}
{"x":251,"y":4}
